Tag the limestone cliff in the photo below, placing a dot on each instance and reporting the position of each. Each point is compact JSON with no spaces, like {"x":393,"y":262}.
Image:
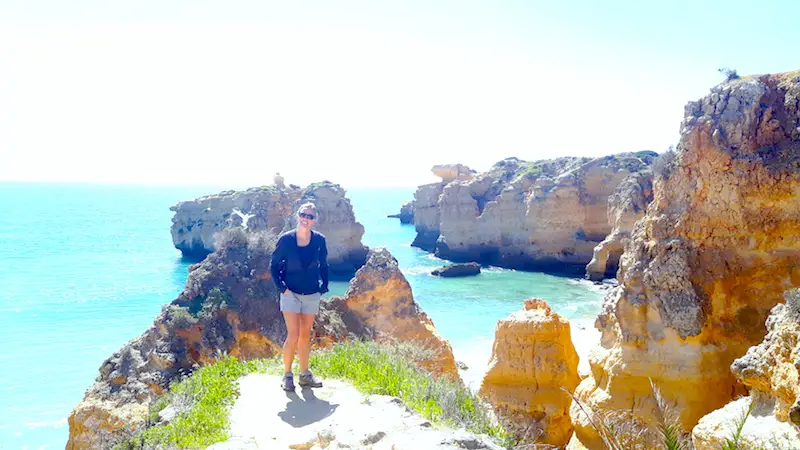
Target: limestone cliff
{"x":625,"y":206}
{"x":716,"y":249}
{"x":426,"y":215}
{"x":229,"y":306}
{"x":542,"y":215}
{"x":771,"y":373}
{"x":533,"y":358}
{"x":272,"y":208}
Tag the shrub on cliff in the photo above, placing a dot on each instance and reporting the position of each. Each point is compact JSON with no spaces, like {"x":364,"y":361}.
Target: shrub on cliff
{"x":730,"y":74}
{"x":665,"y":164}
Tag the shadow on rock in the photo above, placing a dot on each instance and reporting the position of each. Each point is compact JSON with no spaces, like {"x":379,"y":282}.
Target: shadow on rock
{"x":306,"y":410}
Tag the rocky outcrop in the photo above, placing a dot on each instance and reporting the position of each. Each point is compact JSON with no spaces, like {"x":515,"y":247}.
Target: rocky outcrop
{"x":229,"y":307}
{"x":457,"y":270}
{"x":426,"y":216}
{"x":771,"y":373}
{"x":406,"y":214}
{"x":716,"y":249}
{"x":452,"y":172}
{"x":380,"y":299}
{"x":272,"y":208}
{"x":533,"y":362}
{"x":625,"y":206}
{"x":542,"y":215}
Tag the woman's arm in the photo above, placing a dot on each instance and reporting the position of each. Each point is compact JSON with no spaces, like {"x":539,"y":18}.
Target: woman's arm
{"x":278,"y":257}
{"x":323,"y":264}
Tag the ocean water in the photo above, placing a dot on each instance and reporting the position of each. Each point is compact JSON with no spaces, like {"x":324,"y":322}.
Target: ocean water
{"x":86,"y":268}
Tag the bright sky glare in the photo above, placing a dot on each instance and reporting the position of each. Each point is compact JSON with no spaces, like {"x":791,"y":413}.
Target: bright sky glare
{"x":362,"y":93}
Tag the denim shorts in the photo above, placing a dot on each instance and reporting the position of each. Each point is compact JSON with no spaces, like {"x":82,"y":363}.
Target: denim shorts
{"x":300,"y":303}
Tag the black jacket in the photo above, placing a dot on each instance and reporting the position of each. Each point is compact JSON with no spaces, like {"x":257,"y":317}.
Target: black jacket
{"x":288,"y":270}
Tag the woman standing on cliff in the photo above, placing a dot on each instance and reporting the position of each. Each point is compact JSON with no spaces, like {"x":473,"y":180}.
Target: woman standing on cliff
{"x":299,"y":269}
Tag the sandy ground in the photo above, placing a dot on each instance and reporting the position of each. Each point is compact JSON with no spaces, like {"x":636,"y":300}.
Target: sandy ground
{"x":335,"y":416}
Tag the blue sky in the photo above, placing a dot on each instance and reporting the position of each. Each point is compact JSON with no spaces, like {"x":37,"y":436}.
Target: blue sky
{"x":361,"y":93}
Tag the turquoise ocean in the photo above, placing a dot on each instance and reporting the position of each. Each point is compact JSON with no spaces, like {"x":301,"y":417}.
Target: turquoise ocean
{"x":85,"y":268}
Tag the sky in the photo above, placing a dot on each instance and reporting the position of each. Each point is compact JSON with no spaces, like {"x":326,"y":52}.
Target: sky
{"x":361,"y":93}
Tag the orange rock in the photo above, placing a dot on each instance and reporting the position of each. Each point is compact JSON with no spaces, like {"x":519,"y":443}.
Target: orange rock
{"x":533,"y":361}
{"x":712,"y":256}
{"x":381,"y":298}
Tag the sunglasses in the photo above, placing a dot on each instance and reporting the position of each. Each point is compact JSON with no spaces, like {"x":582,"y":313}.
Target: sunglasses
{"x":306,"y":216}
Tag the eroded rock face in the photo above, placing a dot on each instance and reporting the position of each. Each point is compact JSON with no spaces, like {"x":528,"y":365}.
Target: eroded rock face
{"x":426,"y":215}
{"x":380,"y":299}
{"x":771,"y":373}
{"x":230,"y":306}
{"x":272,"y":208}
{"x":542,"y":215}
{"x":625,"y":206}
{"x":716,"y":249}
{"x":406,"y":214}
{"x":533,"y":358}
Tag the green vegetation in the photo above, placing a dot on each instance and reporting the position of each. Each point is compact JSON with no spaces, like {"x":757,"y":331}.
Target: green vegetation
{"x":730,"y":74}
{"x":391,"y":370}
{"x":735,"y":441}
{"x":202,"y":401}
{"x":623,"y":431}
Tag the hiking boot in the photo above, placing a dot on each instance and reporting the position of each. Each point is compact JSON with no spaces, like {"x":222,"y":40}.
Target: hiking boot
{"x":309,"y":380}
{"x":287,"y":383}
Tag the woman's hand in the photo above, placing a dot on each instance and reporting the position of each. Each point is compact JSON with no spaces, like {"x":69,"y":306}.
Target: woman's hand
{"x":286,"y":292}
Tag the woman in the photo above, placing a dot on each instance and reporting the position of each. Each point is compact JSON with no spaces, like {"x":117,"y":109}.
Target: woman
{"x":300,"y":270}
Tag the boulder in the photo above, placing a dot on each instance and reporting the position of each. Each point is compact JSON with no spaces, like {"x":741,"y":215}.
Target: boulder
{"x":272,"y":208}
{"x":716,"y":249}
{"x":230,"y":307}
{"x":458,"y":270}
{"x":533,"y":368}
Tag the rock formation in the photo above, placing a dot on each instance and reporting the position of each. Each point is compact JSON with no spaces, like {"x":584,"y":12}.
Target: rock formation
{"x":406,"y":214}
{"x":451,"y":172}
{"x":716,"y":249}
{"x":533,"y":358}
{"x":457,"y":270}
{"x":272,"y":208}
{"x":426,"y":215}
{"x":771,"y":373}
{"x":229,"y":306}
{"x":380,"y":299}
{"x":625,"y":206}
{"x":542,"y":215}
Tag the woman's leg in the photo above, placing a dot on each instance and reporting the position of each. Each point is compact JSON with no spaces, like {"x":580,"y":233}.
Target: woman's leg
{"x":290,"y":346}
{"x":304,"y":340}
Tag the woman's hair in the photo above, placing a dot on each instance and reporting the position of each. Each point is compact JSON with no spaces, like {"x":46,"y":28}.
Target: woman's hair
{"x":307,"y":205}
